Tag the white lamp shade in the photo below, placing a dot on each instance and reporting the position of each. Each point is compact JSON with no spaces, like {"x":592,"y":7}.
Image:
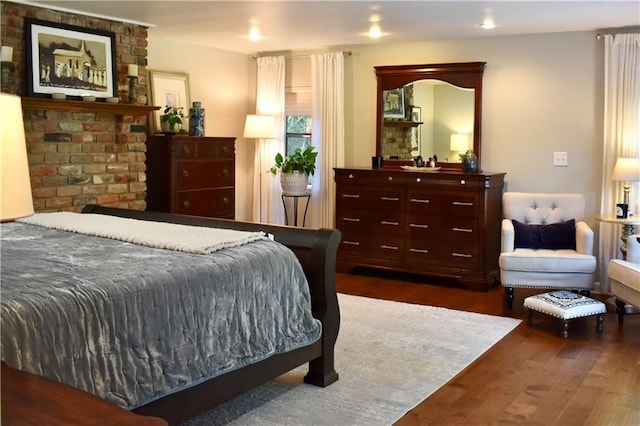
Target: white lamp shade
{"x":259,"y":126}
{"x":16,"y":196}
{"x":459,"y":142}
{"x":626,"y":170}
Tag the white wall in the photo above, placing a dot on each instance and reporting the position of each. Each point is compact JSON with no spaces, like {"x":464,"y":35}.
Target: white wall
{"x":541,"y":93}
{"x":218,"y":79}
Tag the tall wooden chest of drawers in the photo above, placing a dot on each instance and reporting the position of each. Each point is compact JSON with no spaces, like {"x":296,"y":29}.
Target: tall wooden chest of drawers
{"x":191,"y":175}
{"x":443,"y":224}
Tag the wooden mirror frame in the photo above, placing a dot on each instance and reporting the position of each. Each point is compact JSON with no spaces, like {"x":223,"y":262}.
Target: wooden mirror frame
{"x":466,"y":74}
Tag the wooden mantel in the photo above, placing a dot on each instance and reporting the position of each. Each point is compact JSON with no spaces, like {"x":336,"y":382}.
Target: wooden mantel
{"x":45,"y":104}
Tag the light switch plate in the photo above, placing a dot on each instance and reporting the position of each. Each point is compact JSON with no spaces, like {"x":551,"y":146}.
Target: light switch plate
{"x":560,"y":159}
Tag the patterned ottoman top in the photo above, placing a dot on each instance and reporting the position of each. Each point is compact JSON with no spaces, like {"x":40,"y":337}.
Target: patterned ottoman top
{"x":564,"y":304}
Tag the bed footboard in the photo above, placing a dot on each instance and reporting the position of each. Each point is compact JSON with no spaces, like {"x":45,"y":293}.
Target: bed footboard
{"x":316,"y":250}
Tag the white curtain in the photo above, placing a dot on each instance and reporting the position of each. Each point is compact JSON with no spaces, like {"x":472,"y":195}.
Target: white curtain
{"x":267,"y":202}
{"x":621,"y":137}
{"x":327,"y":82}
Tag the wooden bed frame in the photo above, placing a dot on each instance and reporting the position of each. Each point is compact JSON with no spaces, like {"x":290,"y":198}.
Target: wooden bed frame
{"x":316,"y":250}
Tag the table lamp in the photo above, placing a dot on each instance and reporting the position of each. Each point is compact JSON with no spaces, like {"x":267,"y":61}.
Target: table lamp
{"x":459,"y":143}
{"x":16,"y":199}
{"x":626,"y":170}
{"x":260,"y":127}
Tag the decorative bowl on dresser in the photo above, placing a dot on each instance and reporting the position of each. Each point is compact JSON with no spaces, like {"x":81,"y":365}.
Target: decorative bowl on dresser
{"x":192,"y":175}
{"x":444,"y":224}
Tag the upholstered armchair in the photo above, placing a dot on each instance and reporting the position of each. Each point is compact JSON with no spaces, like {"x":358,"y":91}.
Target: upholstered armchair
{"x":545,"y":243}
{"x":624,"y":276}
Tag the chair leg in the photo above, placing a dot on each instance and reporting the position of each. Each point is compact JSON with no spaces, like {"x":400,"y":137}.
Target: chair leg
{"x":508,"y":294}
{"x":620,"y":305}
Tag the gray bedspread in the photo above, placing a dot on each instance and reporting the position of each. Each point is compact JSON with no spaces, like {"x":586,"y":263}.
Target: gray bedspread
{"x":131,"y":324}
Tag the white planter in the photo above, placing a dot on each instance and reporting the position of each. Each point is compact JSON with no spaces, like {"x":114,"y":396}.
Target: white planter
{"x":294,"y":183}
{"x":167,"y":128}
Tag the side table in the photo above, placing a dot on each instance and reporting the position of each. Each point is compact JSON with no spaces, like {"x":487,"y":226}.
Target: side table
{"x":296,"y":198}
{"x":628,"y":229}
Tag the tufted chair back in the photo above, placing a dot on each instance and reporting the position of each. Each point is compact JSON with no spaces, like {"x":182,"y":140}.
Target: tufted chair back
{"x":543,"y":208}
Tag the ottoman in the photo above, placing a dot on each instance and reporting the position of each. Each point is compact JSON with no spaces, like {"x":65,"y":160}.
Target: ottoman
{"x":565,"y":305}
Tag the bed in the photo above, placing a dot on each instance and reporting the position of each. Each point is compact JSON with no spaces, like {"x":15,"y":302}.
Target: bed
{"x":115,"y":347}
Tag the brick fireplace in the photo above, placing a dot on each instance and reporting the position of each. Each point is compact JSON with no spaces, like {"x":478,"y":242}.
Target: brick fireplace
{"x":83,"y":152}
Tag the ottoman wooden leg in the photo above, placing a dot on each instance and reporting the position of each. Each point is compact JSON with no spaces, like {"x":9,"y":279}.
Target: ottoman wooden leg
{"x":620,"y":305}
{"x":529,"y":317}
{"x":565,"y":328}
{"x":600,"y":323}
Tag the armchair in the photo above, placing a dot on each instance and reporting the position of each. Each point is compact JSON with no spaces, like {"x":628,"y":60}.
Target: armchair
{"x":624,"y":276}
{"x":545,"y":243}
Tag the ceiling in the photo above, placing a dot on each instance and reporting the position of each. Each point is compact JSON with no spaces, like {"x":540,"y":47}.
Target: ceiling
{"x":314,"y":25}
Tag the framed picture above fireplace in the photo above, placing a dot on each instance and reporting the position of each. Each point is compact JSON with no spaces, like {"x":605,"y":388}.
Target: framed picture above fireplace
{"x":67,"y":59}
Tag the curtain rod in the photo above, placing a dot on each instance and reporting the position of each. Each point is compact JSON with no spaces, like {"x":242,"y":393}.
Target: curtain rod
{"x":632,"y":29}
{"x":346,"y":52}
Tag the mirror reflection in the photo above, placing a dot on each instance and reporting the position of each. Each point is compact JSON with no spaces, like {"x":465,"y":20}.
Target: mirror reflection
{"x":428,"y":118}
{"x":430,"y":110}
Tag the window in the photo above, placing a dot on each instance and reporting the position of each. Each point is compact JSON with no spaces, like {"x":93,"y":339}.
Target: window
{"x":298,"y":132}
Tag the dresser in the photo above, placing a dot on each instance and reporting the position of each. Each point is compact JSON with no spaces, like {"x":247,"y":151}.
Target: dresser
{"x":191,"y":175}
{"x":444,"y":224}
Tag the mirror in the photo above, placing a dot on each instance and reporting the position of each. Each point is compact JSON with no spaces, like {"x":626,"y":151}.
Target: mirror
{"x":428,"y":109}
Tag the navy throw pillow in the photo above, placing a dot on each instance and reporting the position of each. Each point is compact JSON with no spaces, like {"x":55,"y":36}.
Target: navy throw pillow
{"x":553,"y":236}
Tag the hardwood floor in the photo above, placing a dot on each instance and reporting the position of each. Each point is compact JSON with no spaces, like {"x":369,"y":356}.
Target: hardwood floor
{"x":533,"y":376}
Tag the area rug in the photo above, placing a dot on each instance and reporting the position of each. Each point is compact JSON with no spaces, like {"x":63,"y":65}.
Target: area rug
{"x":390,"y":356}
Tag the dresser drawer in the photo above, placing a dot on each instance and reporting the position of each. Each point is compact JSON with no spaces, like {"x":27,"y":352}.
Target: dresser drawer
{"x":386,"y":247}
{"x":442,"y":254}
{"x":369,"y":177}
{"x":206,"y":202}
{"x":459,"y":229}
{"x":198,"y":148}
{"x":378,"y":222}
{"x":364,"y":197}
{"x":444,"y":203}
{"x":194,"y":174}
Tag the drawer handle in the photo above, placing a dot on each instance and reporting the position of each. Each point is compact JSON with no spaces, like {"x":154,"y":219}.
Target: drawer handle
{"x":390,"y":178}
{"x":419,"y":200}
{"x":225,"y":149}
{"x":350,"y":219}
{"x":226,"y":200}
{"x":454,"y":229}
{"x":384,"y":222}
{"x":351,"y":176}
{"x":186,"y":204}
{"x":463,"y":182}
{"x":461,"y":203}
{"x":418,"y":225}
{"x":351,"y":243}
{"x":418,"y":180}
{"x":419,"y":250}
{"x":185,"y":173}
{"x":350,"y":196}
{"x":461,"y":255}
{"x":185,"y":150}
{"x":386,"y":247}
{"x":225,"y":172}
{"x":390,"y":198}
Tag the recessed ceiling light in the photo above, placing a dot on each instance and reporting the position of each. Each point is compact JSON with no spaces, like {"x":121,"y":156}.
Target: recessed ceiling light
{"x":254,"y":34}
{"x":374,"y":31}
{"x":487,"y":24}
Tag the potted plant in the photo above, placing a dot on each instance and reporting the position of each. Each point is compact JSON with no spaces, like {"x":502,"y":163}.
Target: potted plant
{"x":171,"y":119}
{"x":295,"y":170}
